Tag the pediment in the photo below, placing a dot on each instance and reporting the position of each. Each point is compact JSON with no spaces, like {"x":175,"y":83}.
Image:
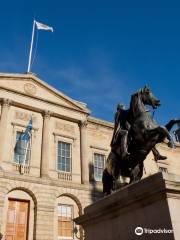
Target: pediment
{"x":30,"y":85}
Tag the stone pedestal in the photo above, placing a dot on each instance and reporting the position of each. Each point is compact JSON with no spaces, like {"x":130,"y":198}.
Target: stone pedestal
{"x":151,"y":208}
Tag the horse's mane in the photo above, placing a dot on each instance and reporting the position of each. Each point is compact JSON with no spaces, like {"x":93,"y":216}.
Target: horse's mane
{"x":136,"y":104}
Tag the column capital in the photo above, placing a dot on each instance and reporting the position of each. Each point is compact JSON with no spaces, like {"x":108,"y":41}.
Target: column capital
{"x":6,"y":102}
{"x":83,"y":123}
{"x":47,"y":114}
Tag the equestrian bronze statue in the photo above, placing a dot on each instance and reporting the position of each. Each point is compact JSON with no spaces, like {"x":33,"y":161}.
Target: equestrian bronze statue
{"x":135,"y":134}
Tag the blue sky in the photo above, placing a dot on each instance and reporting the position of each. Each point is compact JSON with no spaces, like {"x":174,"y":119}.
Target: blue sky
{"x":100,"y":51}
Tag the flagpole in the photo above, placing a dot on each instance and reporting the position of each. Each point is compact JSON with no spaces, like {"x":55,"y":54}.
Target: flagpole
{"x":25,"y":155}
{"x":30,"y":52}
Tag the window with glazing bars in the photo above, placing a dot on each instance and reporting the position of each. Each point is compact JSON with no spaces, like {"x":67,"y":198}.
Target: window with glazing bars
{"x":65,"y":222}
{"x":24,"y":158}
{"x":98,"y":166}
{"x":64,"y":157}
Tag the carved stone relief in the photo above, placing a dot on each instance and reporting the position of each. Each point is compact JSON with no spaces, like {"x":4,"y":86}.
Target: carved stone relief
{"x":97,"y":135}
{"x":24,"y":116}
{"x":93,"y":127}
{"x":64,"y":127}
{"x":29,"y":88}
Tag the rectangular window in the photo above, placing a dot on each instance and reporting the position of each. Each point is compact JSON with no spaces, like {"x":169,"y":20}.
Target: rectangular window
{"x":98,"y":166}
{"x":64,"y":157}
{"x":65,"y":222}
{"x":22,"y":156}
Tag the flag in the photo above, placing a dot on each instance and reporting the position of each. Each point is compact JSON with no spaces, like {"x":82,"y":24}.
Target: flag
{"x":22,"y":143}
{"x":25,"y":136}
{"x":41,"y":26}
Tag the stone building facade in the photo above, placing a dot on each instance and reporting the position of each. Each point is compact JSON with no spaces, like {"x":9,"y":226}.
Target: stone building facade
{"x":61,"y":174}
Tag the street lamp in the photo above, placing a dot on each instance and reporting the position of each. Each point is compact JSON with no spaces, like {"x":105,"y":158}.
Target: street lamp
{"x":79,"y":233}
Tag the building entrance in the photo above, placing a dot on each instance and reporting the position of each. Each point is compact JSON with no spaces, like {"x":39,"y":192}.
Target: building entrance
{"x":17,"y":220}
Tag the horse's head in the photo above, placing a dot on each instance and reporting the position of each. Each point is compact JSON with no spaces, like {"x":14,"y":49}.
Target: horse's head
{"x":148,"y":98}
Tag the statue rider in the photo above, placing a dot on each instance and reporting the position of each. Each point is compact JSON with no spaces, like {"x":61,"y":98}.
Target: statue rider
{"x":121,"y":129}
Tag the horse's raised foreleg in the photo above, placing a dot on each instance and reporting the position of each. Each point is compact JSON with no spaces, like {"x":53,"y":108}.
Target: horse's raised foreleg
{"x":169,"y":137}
{"x":160,"y":133}
{"x":171,"y":123}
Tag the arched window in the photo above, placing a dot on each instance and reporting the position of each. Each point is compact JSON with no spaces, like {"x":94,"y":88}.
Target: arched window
{"x":66,"y":210}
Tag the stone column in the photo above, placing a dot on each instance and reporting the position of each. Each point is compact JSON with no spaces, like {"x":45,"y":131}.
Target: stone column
{"x":3,"y":129}
{"x":45,"y":154}
{"x":83,"y":152}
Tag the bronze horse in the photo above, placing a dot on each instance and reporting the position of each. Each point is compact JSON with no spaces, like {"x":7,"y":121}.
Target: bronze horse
{"x":144,"y":133}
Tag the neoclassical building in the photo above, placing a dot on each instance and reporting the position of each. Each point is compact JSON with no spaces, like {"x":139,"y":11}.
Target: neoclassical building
{"x":66,"y":154}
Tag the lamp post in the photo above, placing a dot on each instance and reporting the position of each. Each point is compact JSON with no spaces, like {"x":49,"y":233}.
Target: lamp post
{"x":79,"y":233}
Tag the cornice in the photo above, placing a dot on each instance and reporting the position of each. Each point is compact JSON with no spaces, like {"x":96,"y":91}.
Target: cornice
{"x":31,"y":76}
{"x":41,"y":111}
{"x":100,"y":122}
{"x":43,"y":100}
{"x":46,"y":181}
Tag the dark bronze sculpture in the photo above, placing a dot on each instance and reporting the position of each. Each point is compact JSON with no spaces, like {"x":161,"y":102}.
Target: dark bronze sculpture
{"x":135,"y":134}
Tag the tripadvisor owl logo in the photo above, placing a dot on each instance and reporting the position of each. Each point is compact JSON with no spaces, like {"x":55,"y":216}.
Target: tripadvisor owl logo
{"x":139,"y":231}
